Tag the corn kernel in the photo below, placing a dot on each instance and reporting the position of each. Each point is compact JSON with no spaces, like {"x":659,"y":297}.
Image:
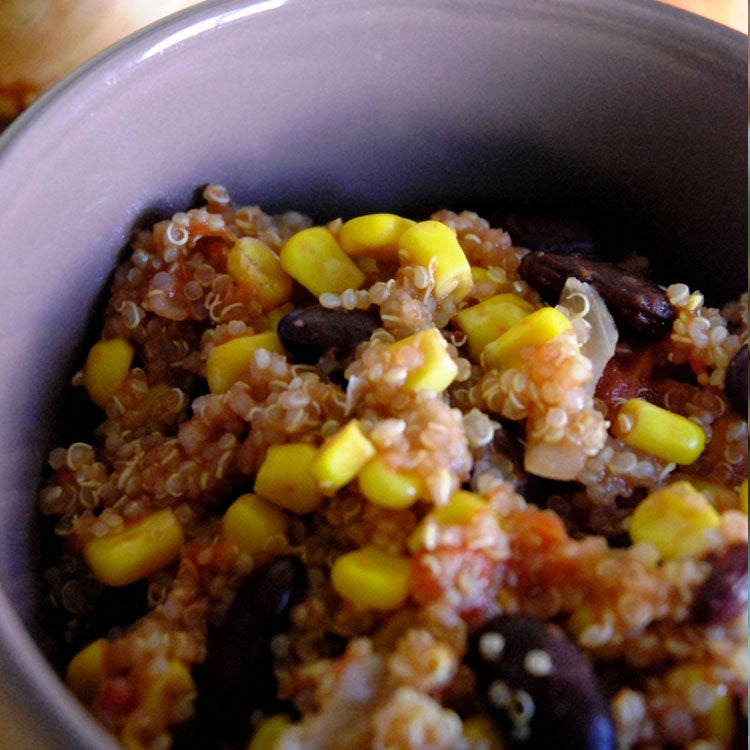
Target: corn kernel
{"x":86,"y":670}
{"x":459,"y":510}
{"x":532,"y":331}
{"x":341,"y":456}
{"x":166,"y":688}
{"x":659,"y":432}
{"x":252,"y":263}
{"x":676,"y":520}
{"x":285,"y":477}
{"x":369,"y":578}
{"x":717,"y":494}
{"x":138,"y":550}
{"x":430,"y":240}
{"x":374,"y":235}
{"x":743,"y":496}
{"x":274,"y":316}
{"x":268,"y":732}
{"x":106,"y":368}
{"x":314,"y":258}
{"x":249,"y":521}
{"x":438,"y":370}
{"x":479,"y":275}
{"x":387,"y":487}
{"x":489,"y":319}
{"x":227,"y":362}
{"x":714,"y":715}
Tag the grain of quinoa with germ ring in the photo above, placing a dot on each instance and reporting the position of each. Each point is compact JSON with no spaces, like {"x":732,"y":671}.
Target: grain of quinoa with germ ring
{"x":404,"y":486}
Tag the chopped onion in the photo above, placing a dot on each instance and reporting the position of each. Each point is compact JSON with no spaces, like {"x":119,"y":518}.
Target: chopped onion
{"x":562,"y":460}
{"x":600,"y":347}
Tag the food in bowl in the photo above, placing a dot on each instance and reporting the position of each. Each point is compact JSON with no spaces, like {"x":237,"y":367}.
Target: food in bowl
{"x":385,"y":483}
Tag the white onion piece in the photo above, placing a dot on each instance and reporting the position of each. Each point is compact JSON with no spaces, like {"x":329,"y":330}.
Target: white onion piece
{"x":577,"y":296}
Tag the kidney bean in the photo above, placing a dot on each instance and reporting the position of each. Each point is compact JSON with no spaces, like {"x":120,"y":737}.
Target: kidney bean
{"x":539,"y":687}
{"x":735,"y":381}
{"x":237,"y":675}
{"x":313,"y":332}
{"x":640,"y":308}
{"x":723,"y":595}
{"x":546,"y":231}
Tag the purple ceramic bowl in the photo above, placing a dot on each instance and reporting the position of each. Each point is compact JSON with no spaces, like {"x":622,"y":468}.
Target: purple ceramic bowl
{"x":628,"y":109}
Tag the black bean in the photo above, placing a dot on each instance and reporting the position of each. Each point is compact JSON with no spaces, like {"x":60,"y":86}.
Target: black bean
{"x":503,"y":457}
{"x":735,"y":381}
{"x":723,"y":595}
{"x":237,"y":675}
{"x":640,"y":308}
{"x":545,"y":231}
{"x":539,"y":687}
{"x":314,"y":332}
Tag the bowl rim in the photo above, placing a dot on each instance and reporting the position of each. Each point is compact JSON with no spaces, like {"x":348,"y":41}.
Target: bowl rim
{"x":29,"y":680}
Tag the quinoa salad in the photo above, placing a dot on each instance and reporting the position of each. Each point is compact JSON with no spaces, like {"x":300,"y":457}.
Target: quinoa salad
{"x":403,"y":485}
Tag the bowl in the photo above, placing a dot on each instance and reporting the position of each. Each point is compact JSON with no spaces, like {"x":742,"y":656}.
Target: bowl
{"x":632,"y":111}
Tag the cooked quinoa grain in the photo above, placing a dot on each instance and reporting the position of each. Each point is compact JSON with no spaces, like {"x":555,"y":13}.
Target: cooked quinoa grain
{"x":415,"y":513}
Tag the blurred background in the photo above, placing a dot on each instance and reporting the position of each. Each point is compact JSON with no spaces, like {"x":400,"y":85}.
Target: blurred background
{"x":43,"y":40}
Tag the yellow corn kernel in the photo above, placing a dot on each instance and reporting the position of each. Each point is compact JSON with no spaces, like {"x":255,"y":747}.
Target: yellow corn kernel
{"x":390,"y":488}
{"x":86,"y":670}
{"x":369,"y":578}
{"x":314,"y":258}
{"x":253,"y":264}
{"x":228,"y":361}
{"x":717,"y":494}
{"x":341,"y":456}
{"x":268,"y":732}
{"x":677,"y":520}
{"x":285,"y":477}
{"x":166,"y":688}
{"x":106,"y":368}
{"x":743,"y":496}
{"x":249,"y":521}
{"x":532,"y":331}
{"x":433,"y":240}
{"x":489,"y":319}
{"x":659,"y":432}
{"x":374,"y":235}
{"x":714,"y":717}
{"x":138,"y":550}
{"x":479,"y":275}
{"x":438,"y":370}
{"x":274,"y":316}
{"x":459,"y":510}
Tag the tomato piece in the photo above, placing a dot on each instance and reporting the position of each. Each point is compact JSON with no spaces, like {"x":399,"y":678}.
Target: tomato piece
{"x":117,"y":697}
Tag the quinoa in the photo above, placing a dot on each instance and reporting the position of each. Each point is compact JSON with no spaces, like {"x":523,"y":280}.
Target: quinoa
{"x":479,"y":537}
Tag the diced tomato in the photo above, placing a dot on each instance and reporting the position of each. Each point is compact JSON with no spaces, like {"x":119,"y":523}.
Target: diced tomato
{"x":215,"y":249}
{"x":628,"y":376}
{"x":117,"y":697}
